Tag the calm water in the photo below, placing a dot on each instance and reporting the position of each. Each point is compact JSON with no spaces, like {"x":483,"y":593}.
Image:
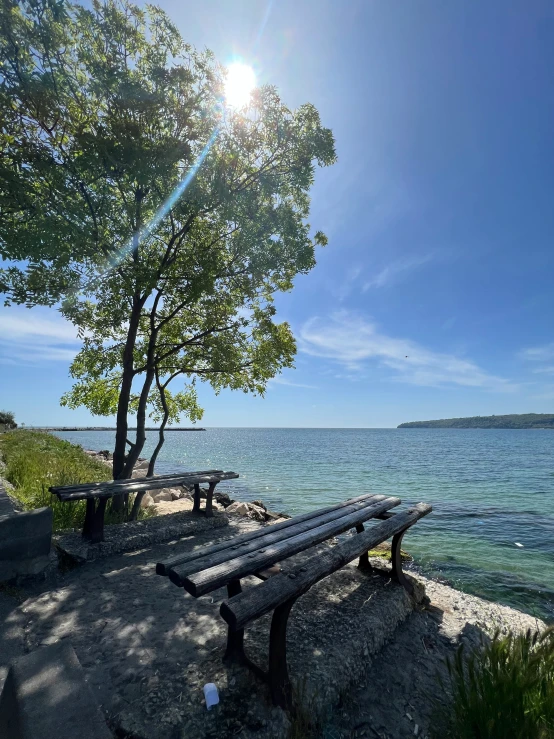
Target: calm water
{"x":489,"y":489}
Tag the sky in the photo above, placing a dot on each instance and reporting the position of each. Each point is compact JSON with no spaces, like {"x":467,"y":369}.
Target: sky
{"x":433,"y":298}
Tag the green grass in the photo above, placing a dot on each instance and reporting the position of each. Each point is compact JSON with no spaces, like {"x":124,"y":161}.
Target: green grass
{"x":505,"y":689}
{"x":36,"y":460}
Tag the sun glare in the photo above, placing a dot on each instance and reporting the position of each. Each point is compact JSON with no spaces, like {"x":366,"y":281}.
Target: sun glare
{"x":239,"y":84}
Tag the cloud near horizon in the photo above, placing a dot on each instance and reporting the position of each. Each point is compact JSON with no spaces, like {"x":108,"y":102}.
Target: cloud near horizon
{"x":353,"y":341}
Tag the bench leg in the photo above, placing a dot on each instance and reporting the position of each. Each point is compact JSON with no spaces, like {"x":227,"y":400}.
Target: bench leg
{"x":396,"y":561}
{"x":209,"y":499}
{"x":235,"y":638}
{"x":196,"y":506}
{"x":363,"y":562}
{"x":279,"y":682}
{"x":97,"y":528}
{"x":89,"y":518}
{"x":234,"y":651}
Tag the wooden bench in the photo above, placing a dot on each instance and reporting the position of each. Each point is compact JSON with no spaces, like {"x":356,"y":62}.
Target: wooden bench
{"x":257,"y":553}
{"x":97,"y":494}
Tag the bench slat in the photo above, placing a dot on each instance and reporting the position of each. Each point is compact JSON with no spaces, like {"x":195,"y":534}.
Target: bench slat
{"x":162,"y":568}
{"x":143,"y":483}
{"x":214,"y":577}
{"x":113,"y":483}
{"x":261,"y":599}
{"x":267,"y":536}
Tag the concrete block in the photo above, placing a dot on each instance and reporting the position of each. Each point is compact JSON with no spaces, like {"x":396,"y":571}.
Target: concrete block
{"x":25,"y":540}
{"x":46,"y":696}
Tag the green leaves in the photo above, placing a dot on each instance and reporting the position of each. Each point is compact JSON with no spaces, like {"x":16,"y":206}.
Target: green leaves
{"x":159,"y":221}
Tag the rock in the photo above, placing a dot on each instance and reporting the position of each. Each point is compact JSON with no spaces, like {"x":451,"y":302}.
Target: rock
{"x":246,"y":509}
{"x":147,"y":501}
{"x":223,"y":499}
{"x":163,"y":494}
{"x":259,"y":504}
{"x":239,"y":508}
{"x":185,"y":494}
{"x":141,"y":465}
{"x":270,"y":516}
{"x":176,"y":494}
{"x":255,"y":512}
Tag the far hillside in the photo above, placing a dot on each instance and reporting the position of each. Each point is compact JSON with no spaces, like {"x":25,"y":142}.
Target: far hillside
{"x":513,"y":421}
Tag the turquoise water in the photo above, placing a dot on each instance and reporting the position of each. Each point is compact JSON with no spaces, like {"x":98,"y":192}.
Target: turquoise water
{"x":489,"y":489}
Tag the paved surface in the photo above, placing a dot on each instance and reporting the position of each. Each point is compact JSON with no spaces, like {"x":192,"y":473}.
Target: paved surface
{"x":148,"y":648}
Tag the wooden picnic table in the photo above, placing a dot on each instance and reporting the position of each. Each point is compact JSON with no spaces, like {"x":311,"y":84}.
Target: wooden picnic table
{"x":262,"y":553}
{"x":97,"y":494}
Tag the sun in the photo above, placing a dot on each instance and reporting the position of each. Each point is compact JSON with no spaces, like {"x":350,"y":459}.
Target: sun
{"x":239,"y":84}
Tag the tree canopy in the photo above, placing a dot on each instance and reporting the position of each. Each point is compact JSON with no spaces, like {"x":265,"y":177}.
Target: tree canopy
{"x":160,"y":220}
{"x":7,"y":419}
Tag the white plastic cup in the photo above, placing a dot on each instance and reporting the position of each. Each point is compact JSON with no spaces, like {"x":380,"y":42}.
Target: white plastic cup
{"x":211,"y":695}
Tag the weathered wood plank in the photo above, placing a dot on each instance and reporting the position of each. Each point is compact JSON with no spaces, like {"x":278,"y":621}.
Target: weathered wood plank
{"x":113,"y":483}
{"x":212,"y":578}
{"x":261,"y":599}
{"x":162,"y":568}
{"x":269,"y":536}
{"x":143,"y":483}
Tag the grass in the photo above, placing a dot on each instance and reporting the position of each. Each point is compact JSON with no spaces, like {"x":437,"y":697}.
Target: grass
{"x":35,"y":460}
{"x":505,"y":689}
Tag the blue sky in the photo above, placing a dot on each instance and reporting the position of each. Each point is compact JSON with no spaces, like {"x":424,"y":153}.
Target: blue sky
{"x":434,"y":297}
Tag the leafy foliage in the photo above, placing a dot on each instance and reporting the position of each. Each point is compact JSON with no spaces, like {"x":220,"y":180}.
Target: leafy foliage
{"x":36,"y":460}
{"x":7,"y":420}
{"x":513,"y":421}
{"x":506,"y":689}
{"x":165,"y":221}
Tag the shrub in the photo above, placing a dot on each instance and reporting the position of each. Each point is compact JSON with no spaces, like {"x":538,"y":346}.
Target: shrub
{"x":505,"y":689}
{"x":7,"y":420}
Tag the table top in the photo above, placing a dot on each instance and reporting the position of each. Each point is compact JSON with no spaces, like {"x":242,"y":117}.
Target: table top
{"x":136,"y":485}
{"x":209,"y":568}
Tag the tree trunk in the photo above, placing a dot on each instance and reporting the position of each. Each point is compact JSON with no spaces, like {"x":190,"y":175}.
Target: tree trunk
{"x":136,"y":449}
{"x":121,"y":432}
{"x":153,"y":458}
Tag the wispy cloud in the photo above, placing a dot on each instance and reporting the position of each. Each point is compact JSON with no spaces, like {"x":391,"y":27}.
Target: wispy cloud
{"x":544,"y":353}
{"x":353,"y":342}
{"x":283,"y":381}
{"x":37,"y":335}
{"x":392,"y":272}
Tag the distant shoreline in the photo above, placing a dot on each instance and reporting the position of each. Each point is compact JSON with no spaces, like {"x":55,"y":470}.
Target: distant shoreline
{"x":104,"y":428}
{"x":512,"y":421}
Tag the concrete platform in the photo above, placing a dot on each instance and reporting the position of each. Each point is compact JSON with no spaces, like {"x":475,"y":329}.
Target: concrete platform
{"x":148,"y":648}
{"x":129,"y":537}
{"x":25,"y":540}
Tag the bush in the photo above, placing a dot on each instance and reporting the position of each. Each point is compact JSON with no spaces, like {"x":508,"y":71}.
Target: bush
{"x":35,"y":460}
{"x":7,"y":420}
{"x":505,"y":689}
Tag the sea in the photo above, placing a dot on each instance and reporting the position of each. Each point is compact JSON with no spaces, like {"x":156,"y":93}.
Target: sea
{"x":491,"y":532}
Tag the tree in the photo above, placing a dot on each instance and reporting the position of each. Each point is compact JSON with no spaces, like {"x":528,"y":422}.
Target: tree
{"x":7,"y":419}
{"x":159,"y":221}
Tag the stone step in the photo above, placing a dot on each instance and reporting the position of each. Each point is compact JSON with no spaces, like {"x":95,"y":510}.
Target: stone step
{"x":46,"y":696}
